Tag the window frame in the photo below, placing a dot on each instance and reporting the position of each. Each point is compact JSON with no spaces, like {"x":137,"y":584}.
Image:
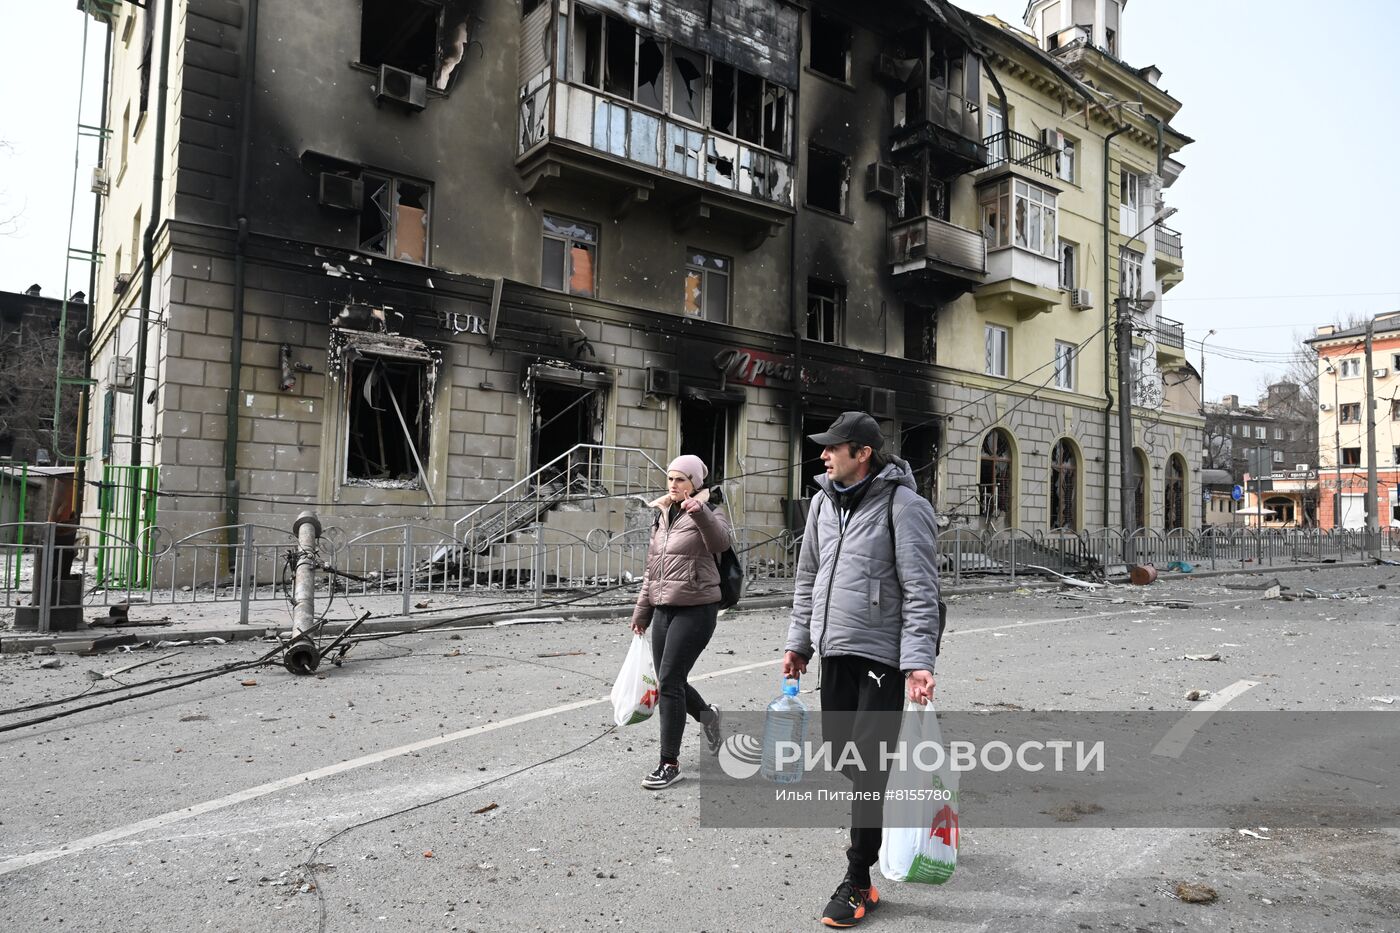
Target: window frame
{"x":709,"y":267}
{"x":997,"y":349}
{"x":807,"y":187}
{"x":1130,"y":263}
{"x":992,"y":113}
{"x":1349,"y":408}
{"x":569,"y":241}
{"x":1351,"y":457}
{"x":349,"y":407}
{"x":1129,"y":200}
{"x":1065,"y":358}
{"x":1064,"y":486}
{"x":391,"y":242}
{"x":836,"y":300}
{"x":1070,"y":282}
{"x":849,"y":36}
{"x":1352,"y":363}
{"x":1068,"y":156}
{"x":1009,"y":200}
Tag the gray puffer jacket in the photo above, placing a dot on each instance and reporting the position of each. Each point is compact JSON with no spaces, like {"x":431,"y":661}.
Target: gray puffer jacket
{"x":854,"y":595}
{"x":681,"y":568}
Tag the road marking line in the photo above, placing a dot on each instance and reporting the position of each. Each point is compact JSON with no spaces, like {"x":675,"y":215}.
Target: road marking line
{"x":1181,"y":734}
{"x":1135,"y":610}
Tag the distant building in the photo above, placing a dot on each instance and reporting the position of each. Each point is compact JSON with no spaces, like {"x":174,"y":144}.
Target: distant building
{"x":29,"y":338}
{"x":1341,"y":421}
{"x":1275,"y":443}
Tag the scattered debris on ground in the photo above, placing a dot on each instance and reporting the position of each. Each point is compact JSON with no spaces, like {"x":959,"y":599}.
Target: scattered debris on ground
{"x":1213,"y":656}
{"x":1196,"y":695}
{"x":1071,"y":812}
{"x":1195,"y":893}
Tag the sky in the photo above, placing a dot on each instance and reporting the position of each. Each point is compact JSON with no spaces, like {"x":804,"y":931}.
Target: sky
{"x":1284,"y":205}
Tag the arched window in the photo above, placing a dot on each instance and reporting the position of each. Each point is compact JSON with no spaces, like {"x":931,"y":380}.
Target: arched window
{"x":994,"y":484}
{"x":1064,"y":486}
{"x":1174,"y":506}
{"x":1140,"y":471}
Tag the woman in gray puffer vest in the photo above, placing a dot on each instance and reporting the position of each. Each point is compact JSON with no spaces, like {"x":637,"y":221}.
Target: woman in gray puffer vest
{"x":680,"y":597}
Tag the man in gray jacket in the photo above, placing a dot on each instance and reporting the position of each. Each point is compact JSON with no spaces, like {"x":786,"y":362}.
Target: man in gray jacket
{"x":870,"y":606}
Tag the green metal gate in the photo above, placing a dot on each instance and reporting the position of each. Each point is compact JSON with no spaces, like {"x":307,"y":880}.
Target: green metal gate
{"x":14,"y":506}
{"x":126,"y":509}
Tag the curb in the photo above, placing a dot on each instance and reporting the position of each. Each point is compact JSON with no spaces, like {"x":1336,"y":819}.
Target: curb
{"x":88,"y":642}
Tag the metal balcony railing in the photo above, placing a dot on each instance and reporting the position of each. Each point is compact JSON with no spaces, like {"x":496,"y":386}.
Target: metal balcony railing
{"x":934,"y":239}
{"x":1170,"y":333}
{"x":1168,"y":243}
{"x":1011,"y":146}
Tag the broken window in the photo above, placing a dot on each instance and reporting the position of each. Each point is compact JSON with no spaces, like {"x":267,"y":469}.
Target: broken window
{"x":1140,"y":473}
{"x":1069,"y":265}
{"x":1035,"y":211}
{"x":620,"y":58}
{"x":706,"y":286}
{"x":997,"y":341}
{"x":1351,"y":412}
{"x":570,"y":256}
{"x":921,"y":193}
{"x":1064,"y":486}
{"x":920,"y":333}
{"x":1174,"y":502}
{"x":994,"y":483}
{"x":651,"y":68}
{"x":421,"y":37}
{"x":831,"y":47}
{"x":688,"y":84}
{"x":828,"y":179}
{"x":1130,"y":276}
{"x":724,"y":89}
{"x":389,"y":409}
{"x":918,"y":445}
{"x":394,"y":218}
{"x":826,"y":310}
{"x":1351,"y":456}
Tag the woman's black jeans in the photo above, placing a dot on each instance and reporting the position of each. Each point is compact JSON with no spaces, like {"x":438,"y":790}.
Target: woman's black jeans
{"x":678,"y":635}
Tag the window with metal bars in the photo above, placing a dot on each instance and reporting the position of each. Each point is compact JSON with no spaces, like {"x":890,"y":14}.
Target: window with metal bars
{"x":1064,"y":486}
{"x":1175,"y":502}
{"x":994,"y":487}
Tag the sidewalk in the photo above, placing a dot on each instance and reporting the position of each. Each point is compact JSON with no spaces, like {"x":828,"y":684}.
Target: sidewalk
{"x":193,"y":622}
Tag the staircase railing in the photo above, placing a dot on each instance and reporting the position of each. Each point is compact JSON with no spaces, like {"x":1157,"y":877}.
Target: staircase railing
{"x":584,"y":472}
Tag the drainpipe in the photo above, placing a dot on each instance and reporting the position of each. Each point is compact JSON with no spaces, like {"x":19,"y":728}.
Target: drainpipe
{"x":80,"y":455}
{"x":795,"y":327}
{"x":231,"y":503}
{"x":138,"y":394}
{"x":1107,"y":376}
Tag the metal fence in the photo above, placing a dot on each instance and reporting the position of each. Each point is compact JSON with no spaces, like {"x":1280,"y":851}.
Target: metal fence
{"x":404,"y":564}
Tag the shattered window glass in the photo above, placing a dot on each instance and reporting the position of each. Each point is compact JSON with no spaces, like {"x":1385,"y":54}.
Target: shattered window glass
{"x":586,"y":55}
{"x":388,"y":409}
{"x":706,"y":286}
{"x":826,"y":303}
{"x":749,"y":117}
{"x":621,"y":58}
{"x":569,"y":256}
{"x":374,"y":215}
{"x":411,"y":223}
{"x":688,"y":85}
{"x":1064,"y":484}
{"x":651,"y":66}
{"x":994,"y":480}
{"x":723,"y":87}
{"x":775,"y":117}
{"x":394,"y":218}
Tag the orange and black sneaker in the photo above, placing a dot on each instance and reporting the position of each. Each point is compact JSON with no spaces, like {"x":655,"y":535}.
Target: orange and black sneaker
{"x":850,"y":904}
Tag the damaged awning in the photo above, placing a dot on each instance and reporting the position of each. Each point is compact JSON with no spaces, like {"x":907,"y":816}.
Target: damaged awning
{"x":391,"y":345}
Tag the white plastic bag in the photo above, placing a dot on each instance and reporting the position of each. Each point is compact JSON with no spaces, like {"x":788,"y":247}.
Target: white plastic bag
{"x":634,"y":695}
{"x":925,"y":848}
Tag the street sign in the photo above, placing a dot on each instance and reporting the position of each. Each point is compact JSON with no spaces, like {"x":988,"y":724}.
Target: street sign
{"x":1237,"y":492}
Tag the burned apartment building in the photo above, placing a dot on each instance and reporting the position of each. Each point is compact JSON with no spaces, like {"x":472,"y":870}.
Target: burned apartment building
{"x":390,"y":257}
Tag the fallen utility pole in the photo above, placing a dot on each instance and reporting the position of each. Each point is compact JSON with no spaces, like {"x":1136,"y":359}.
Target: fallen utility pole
{"x":301,"y":655}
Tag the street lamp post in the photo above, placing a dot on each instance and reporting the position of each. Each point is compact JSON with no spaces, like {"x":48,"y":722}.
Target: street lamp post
{"x":1205,"y":501}
{"x":1337,"y":450}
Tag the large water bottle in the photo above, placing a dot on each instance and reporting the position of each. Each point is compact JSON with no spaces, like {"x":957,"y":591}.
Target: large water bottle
{"x":786,"y":721}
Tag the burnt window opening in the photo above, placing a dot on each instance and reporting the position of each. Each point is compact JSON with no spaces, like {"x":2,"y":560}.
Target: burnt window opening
{"x":918,"y":445}
{"x":826,"y":310}
{"x":920,"y":333}
{"x":1064,"y":487}
{"x":707,"y":283}
{"x":706,"y":431}
{"x":828,"y":179}
{"x":422,"y":37}
{"x":564,"y":417}
{"x":569,"y":262}
{"x":1351,"y":456}
{"x":830,"y":53}
{"x":389,"y":412}
{"x":994,"y":482}
{"x":609,"y":54}
{"x":394,"y":218}
{"x":528,"y":6}
{"x":1174,"y":502}
{"x":921,"y":193}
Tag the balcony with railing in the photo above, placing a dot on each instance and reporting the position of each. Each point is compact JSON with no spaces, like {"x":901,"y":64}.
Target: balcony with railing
{"x":936,"y":258}
{"x":633,"y":137}
{"x":1012,"y":148}
{"x":1168,"y":255}
{"x":1171,"y":341}
{"x":946,"y":121}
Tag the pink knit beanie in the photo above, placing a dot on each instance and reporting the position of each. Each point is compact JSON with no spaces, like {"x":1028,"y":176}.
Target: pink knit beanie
{"x":692,"y":466}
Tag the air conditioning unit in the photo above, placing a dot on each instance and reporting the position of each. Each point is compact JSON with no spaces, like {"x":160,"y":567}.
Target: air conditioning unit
{"x":121,"y":374}
{"x":402,"y":87}
{"x":1081,"y":298}
{"x":1053,"y":139}
{"x":120,"y":283}
{"x":881,"y":179}
{"x":341,"y":192}
{"x":663,"y":381}
{"x":1380,"y":373}
{"x":1324,"y":407}
{"x":101,"y":184}
{"x":879,"y":403}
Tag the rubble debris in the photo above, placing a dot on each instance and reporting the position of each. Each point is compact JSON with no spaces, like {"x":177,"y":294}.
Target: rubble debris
{"x":1386,"y":700}
{"x":108,"y":675}
{"x":1067,"y":580}
{"x":1071,"y":812}
{"x":1273,"y":592}
{"x":1213,"y":656}
{"x":1197,"y":695}
{"x":570,"y":654}
{"x":486,"y":809}
{"x":1253,"y":835}
{"x":1253,"y":586}
{"x":211,"y":640}
{"x":250,"y":683}
{"x":527,"y":621}
{"x":1170,"y":603}
{"x":1194,"y":893}
{"x":51,"y":663}
{"x":1181,"y":566}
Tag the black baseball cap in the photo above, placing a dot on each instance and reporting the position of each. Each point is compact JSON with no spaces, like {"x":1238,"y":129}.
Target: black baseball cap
{"x":854,"y":427}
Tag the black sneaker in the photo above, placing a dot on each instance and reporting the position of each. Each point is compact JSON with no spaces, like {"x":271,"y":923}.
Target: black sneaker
{"x":713,"y":733}
{"x":664,"y":776}
{"x":850,"y":904}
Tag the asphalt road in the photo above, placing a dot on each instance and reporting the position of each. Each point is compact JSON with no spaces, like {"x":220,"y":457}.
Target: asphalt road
{"x":469,"y":781}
